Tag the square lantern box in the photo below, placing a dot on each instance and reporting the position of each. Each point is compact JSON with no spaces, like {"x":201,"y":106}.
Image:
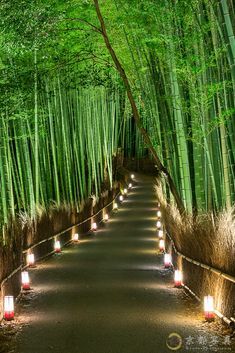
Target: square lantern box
{"x":25,"y":283}
{"x":31,"y":260}
{"x":9,"y":313}
{"x":76,"y":237}
{"x":209,"y":308}
{"x":167,"y":260}
{"x":178,"y":278}
{"x":57,"y":247}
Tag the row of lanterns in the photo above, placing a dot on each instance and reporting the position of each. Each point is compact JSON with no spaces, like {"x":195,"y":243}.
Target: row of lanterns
{"x":209,"y":311}
{"x":9,"y":299}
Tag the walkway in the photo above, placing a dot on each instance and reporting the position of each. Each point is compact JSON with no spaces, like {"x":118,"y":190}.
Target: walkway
{"x":110,"y":293}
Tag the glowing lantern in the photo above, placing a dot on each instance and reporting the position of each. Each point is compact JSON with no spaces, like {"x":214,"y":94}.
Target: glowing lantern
{"x":130,"y":186}
{"x":159,"y":224}
{"x":161,"y":245}
{"x":132,"y":176}
{"x":209,"y":308}
{"x":160,"y":233}
{"x":9,"y":307}
{"x":121,"y":198}
{"x":106,"y":217}
{"x":178,"y":278}
{"x":125,"y":191}
{"x":115,"y":206}
{"x":25,"y":280}
{"x":30,"y":260}
{"x":94,"y":226}
{"x":159,"y":214}
{"x":76,"y":237}
{"x":167,"y":260}
{"x":57,"y":247}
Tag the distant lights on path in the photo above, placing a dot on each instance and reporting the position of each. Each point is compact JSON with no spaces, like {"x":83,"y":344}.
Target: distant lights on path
{"x":159,"y":214}
{"x":30,"y":260}
{"x":121,"y":198}
{"x":9,"y":307}
{"x":25,"y":280}
{"x":94,"y":226}
{"x":132,"y":176}
{"x":115,"y":206}
{"x":57,"y":247}
{"x":75,"y":237}
{"x":161,"y":245}
{"x":125,"y":191}
{"x":106,"y":217}
{"x":130,"y":186}
{"x":159,"y":224}
{"x":160,"y":233}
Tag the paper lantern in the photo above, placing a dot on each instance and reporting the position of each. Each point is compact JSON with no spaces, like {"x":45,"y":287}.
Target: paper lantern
{"x":121,"y":198}
{"x":160,"y":233}
{"x":159,"y":224}
{"x":132,"y":176}
{"x":25,"y":280}
{"x":9,"y":307}
{"x":94,"y":226}
{"x":106,"y":217}
{"x":178,"y":278}
{"x":57,"y":247}
{"x":130,"y":186}
{"x":30,"y":260}
{"x":75,"y":237}
{"x":167,"y":260}
{"x":159,"y":214}
{"x":209,"y":308}
{"x":115,"y":206}
{"x":161,"y":245}
{"x":125,"y":191}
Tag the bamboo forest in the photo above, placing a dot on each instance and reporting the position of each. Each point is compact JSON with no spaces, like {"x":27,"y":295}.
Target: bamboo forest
{"x":120,"y":109}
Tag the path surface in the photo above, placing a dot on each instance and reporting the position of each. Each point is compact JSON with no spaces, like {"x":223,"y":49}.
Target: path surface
{"x":110,"y":293}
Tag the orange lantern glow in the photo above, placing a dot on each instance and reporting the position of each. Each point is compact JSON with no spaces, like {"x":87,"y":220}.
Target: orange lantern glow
{"x":209,"y":308}
{"x":30,"y":260}
{"x":9,"y":307}
{"x":25,"y":280}
{"x":178,"y":278}
{"x":167,"y":260}
{"x":57,"y":247}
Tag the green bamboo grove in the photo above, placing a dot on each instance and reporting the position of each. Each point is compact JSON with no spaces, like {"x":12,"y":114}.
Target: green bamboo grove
{"x":65,"y":114}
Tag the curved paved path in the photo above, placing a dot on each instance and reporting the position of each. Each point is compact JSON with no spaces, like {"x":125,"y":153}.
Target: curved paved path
{"x":110,"y":293}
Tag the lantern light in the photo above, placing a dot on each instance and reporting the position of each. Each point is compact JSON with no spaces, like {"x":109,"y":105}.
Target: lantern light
{"x":159,"y":214}
{"x":57,"y":247}
{"x":125,"y":191}
{"x":159,"y":224}
{"x":30,"y":260}
{"x":130,"y":186}
{"x":106,"y":217}
{"x":76,"y":237}
{"x":25,"y":280}
{"x":94,"y":226}
{"x":167,"y":260}
{"x":132,"y":176}
{"x":9,"y":307}
{"x":160,"y":233}
{"x":121,"y":198}
{"x":209,"y":308}
{"x":115,"y":206}
{"x":178,"y":278}
{"x":161,"y":245}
